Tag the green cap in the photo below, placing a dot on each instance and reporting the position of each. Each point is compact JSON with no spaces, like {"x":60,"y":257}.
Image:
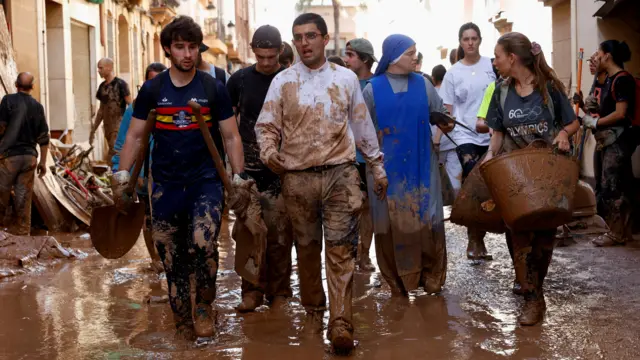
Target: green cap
{"x":362,"y":46}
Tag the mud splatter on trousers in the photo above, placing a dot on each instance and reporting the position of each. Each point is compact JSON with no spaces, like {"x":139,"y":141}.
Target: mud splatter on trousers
{"x":17,"y":172}
{"x":470,"y":155}
{"x":531,"y":254}
{"x":111,"y":127}
{"x":275,"y":274}
{"x":613,"y":173}
{"x":186,"y":223}
{"x":146,"y":230}
{"x":329,"y":200}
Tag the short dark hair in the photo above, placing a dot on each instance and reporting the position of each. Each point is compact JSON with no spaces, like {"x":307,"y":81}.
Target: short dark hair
{"x":312,"y":18}
{"x":437,"y":73}
{"x":287,"y":54}
{"x":420,"y":58}
{"x":155,"y":67}
{"x":181,"y":28}
{"x":469,"y":26}
{"x":336,"y":60}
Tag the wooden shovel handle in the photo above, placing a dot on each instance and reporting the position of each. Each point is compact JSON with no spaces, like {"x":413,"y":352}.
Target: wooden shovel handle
{"x":148,"y":127}
{"x":215,"y":155}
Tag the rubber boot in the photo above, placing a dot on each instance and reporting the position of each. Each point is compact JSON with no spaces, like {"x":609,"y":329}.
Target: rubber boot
{"x":250,"y":302}
{"x":532,"y":310}
{"x":476,"y":249}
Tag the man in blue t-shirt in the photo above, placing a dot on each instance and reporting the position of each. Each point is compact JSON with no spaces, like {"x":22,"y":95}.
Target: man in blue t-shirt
{"x":187,"y":199}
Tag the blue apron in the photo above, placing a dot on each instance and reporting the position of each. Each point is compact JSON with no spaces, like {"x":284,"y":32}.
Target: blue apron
{"x":413,"y":207}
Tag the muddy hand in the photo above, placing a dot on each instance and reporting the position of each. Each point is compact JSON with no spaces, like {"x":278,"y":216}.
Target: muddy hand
{"x":119,"y":183}
{"x":380,"y":187}
{"x":276,"y":163}
{"x":240,"y":197}
{"x":42,"y":170}
{"x":562,"y":141}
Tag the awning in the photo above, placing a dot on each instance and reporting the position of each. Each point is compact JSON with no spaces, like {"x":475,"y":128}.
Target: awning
{"x":216,"y":46}
{"x":608,"y":7}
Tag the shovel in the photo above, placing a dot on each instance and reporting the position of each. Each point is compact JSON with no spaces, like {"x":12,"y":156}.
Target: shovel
{"x":113,"y":233}
{"x":249,"y":230}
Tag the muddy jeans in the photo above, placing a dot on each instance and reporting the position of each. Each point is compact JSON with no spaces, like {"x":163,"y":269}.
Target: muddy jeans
{"x":275,"y":275}
{"x":613,"y":173}
{"x":325,"y":200}
{"x":17,"y":172}
{"x":532,"y":252}
{"x":186,"y":223}
{"x":469,"y":156}
{"x":111,"y":127}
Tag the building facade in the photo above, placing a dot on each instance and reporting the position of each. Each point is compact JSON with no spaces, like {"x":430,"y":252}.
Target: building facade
{"x":61,"y":41}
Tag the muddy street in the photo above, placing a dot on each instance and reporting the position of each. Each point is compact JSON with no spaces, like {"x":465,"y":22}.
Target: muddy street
{"x":97,"y":309}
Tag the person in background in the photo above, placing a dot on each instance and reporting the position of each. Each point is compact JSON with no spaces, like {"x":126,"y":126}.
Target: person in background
{"x":142,"y":188}
{"x":437,"y":75}
{"x":312,"y":121}
{"x":616,"y":142}
{"x":22,"y":126}
{"x":114,"y":96}
{"x":592,"y":104}
{"x":287,"y":57}
{"x":481,"y":123}
{"x":526,"y":117}
{"x":248,"y":88}
{"x":360,"y":58}
{"x":410,"y":238}
{"x":336,"y":60}
{"x":203,"y":65}
{"x":462,"y":91}
{"x":419,"y":68}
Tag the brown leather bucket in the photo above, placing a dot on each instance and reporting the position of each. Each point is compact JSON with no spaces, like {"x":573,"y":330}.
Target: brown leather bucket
{"x":474,"y":207}
{"x":533,"y":187}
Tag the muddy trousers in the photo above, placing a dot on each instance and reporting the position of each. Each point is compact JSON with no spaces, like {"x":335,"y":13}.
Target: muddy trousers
{"x":612,"y":166}
{"x":275,"y":274}
{"x":366,"y":221}
{"x":146,"y":229}
{"x":17,"y":172}
{"x":469,"y":156}
{"x":325,"y":202}
{"x":111,"y":129}
{"x":531,"y":255}
{"x":186,"y":223}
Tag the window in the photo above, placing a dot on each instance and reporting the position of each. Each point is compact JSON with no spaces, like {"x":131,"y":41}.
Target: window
{"x":111,"y":47}
{"x":136,"y":59}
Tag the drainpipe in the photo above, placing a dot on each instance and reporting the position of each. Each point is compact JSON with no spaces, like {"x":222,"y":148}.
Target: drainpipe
{"x":42,"y":55}
{"x":574,"y":46}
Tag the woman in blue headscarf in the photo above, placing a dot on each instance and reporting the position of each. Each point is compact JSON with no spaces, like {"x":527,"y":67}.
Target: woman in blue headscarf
{"x":409,"y":227}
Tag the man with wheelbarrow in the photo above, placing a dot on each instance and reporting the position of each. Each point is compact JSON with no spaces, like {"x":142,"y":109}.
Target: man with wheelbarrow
{"x":187,"y":198}
{"x":530,"y":107}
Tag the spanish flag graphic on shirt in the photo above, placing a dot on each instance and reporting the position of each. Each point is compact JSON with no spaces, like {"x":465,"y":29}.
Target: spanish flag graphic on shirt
{"x":180,"y":118}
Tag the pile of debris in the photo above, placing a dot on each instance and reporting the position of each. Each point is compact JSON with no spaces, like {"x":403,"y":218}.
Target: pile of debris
{"x":72,"y":187}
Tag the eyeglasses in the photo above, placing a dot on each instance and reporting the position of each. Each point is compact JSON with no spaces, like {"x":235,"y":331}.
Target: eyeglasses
{"x":310,"y":36}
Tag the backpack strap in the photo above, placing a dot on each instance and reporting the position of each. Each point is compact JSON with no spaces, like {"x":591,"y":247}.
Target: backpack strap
{"x":613,"y":83}
{"x":240,"y":95}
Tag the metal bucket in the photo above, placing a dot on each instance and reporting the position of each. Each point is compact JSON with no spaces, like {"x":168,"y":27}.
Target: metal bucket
{"x":534,"y":188}
{"x":474,"y":206}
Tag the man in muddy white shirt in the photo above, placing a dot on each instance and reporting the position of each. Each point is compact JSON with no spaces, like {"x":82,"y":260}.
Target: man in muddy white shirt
{"x":313,"y":118}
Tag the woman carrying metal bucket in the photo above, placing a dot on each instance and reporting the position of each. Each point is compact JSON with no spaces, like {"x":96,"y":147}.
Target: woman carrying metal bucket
{"x":529,"y":106}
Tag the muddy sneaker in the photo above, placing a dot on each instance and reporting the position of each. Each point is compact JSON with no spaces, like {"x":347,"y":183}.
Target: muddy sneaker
{"x":250,"y":302}
{"x":532,"y":312}
{"x":313,"y":323}
{"x":607,"y":240}
{"x":156,"y":267}
{"x":341,"y":340}
{"x":186,"y":332}
{"x":278,"y":303}
{"x":203,"y":320}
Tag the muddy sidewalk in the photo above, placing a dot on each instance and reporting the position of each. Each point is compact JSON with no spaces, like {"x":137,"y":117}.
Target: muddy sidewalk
{"x":96,"y":309}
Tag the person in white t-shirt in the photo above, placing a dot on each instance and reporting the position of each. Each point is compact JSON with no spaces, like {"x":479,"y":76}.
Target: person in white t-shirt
{"x":462,"y":92}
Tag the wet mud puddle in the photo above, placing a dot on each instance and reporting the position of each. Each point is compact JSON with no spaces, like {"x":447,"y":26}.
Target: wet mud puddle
{"x":97,"y":309}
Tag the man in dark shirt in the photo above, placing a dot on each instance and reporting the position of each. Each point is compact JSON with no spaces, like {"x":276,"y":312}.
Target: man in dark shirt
{"x":248,"y":89}
{"x":22,"y":126}
{"x":187,"y":199}
{"x":114,"y":97}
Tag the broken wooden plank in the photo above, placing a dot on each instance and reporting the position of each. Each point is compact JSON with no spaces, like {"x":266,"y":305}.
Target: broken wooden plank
{"x":47,"y":206}
{"x":8,"y":66}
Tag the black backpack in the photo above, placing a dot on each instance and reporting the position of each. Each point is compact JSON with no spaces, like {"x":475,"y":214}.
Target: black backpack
{"x":210,"y":87}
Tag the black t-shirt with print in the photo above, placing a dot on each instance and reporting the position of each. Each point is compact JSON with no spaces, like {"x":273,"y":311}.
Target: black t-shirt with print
{"x":625,"y":91}
{"x":252,"y":87}
{"x":527,"y":118}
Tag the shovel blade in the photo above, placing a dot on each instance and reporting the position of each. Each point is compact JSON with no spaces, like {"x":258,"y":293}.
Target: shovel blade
{"x":113,"y":233}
